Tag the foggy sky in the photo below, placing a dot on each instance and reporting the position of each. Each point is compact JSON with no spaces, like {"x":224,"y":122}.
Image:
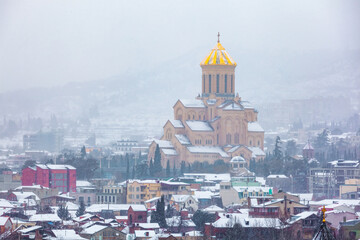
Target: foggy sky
{"x":49,"y":43}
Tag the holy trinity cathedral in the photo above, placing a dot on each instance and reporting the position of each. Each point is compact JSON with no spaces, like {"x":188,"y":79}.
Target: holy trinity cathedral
{"x":216,"y":125}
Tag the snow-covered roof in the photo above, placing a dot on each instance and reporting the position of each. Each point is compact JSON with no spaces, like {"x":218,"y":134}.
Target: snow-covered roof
{"x":254,"y":127}
{"x":66,"y":234}
{"x":261,"y":180}
{"x":256,"y":151}
{"x":169,"y":151}
{"x":192,"y":103}
{"x":71,"y":206}
{"x":183,"y":139}
{"x":148,"y":225}
{"x":324,"y":202}
{"x":213,"y":209}
{"x":144,"y":233}
{"x":252,"y":189}
{"x":5,"y":204}
{"x":237,"y":159}
{"x":175,"y":222}
{"x":31,"y":187}
{"x":83,"y":183}
{"x":115,"y":207}
{"x":345,"y":163}
{"x":180,"y":198}
{"x":163,"y":143}
{"x":308,"y":146}
{"x":3,"y":220}
{"x":210,"y":176}
{"x":176,"y":123}
{"x":208,"y":150}
{"x":24,"y":195}
{"x":29,"y":229}
{"x":246,"y":105}
{"x":277,"y":176}
{"x":55,"y":166}
{"x":44,"y":218}
{"x":93,"y":229}
{"x":247,"y":222}
{"x":234,"y":107}
{"x":203,"y":194}
{"x":199,"y":126}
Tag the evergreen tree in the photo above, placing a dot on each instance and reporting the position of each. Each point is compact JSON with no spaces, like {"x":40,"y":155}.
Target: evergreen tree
{"x":157,"y":160}
{"x":133,"y":173}
{"x":151,"y":168}
{"x":127,"y":167}
{"x":81,"y":209}
{"x":83,"y":152}
{"x":182,"y":167}
{"x":158,"y":216}
{"x":277,"y":150}
{"x":322,"y":139}
{"x":168,"y":168}
{"x":63,"y":213}
{"x":141,"y":170}
{"x":174,"y":169}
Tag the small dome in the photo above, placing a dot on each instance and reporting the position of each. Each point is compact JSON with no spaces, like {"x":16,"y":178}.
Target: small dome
{"x":237,"y":159}
{"x":218,"y":56}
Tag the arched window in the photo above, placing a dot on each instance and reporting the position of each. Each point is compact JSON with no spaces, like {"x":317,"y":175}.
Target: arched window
{"x":217,"y":83}
{"x":228,"y":138}
{"x":225,"y":83}
{"x":209,"y":83}
{"x":250,"y":143}
{"x":236,"y":138}
{"x":204,"y":83}
{"x":231,"y":83}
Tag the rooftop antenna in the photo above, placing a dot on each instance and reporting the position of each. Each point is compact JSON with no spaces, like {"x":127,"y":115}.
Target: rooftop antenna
{"x":218,"y":37}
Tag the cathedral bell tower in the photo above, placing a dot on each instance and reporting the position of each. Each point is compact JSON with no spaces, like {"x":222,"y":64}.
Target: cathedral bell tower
{"x":218,"y":73}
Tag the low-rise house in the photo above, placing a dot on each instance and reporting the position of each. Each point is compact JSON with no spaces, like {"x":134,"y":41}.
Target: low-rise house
{"x":307,"y":223}
{"x":336,"y":217}
{"x":350,"y":229}
{"x":137,"y":214}
{"x":184,"y":201}
{"x":65,"y":234}
{"x":177,"y":224}
{"x":85,"y":192}
{"x":251,"y":228}
{"x":102,"y":232}
{"x":56,"y":200}
{"x":278,"y":208}
{"x":38,"y":190}
{"x":5,"y":224}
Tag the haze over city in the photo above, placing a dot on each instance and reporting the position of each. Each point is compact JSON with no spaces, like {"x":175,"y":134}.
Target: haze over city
{"x":180,"y":119}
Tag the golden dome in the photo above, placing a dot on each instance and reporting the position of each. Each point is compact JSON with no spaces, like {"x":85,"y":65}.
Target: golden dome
{"x":218,"y":56}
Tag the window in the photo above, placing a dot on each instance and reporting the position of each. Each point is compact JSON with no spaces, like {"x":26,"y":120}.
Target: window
{"x":203,"y":83}
{"x":225,"y":83}
{"x":236,"y":138}
{"x":209,"y":83}
{"x":228,"y":138}
{"x":250,"y":143}
{"x":217,"y":83}
{"x":231,"y":83}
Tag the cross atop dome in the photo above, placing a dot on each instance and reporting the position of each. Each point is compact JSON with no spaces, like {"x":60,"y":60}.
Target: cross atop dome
{"x":218,"y":37}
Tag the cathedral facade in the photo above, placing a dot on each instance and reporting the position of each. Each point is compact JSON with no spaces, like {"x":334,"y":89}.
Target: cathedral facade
{"x":218,"y":124}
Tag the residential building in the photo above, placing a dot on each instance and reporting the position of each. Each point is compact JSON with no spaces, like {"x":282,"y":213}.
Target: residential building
{"x":277,"y":208}
{"x":280,"y":182}
{"x":51,"y":141}
{"x":102,"y":232}
{"x":326,"y":182}
{"x":184,"y":202}
{"x":139,"y":191}
{"x":351,"y":189}
{"x":350,"y":229}
{"x":218,"y":124}
{"x":61,"y":177}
